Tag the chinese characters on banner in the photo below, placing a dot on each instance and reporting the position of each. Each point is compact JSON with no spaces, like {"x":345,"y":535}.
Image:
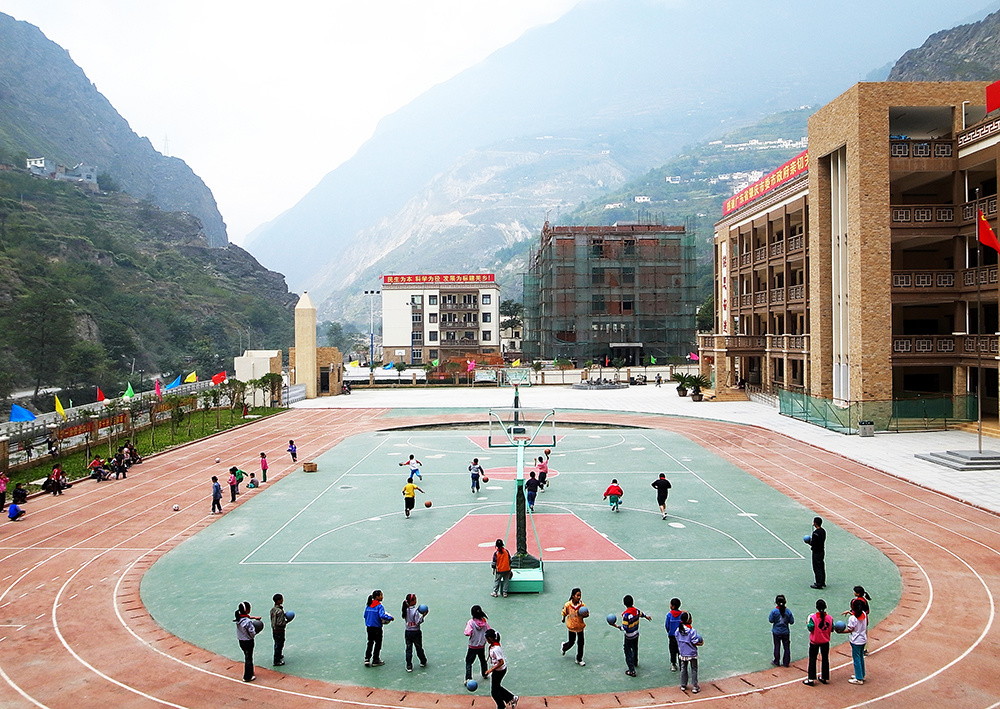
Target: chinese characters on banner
{"x":793,"y":168}
{"x":441,"y":278}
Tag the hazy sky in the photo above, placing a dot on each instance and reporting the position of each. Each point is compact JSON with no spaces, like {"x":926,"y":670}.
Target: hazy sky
{"x":262,"y":99}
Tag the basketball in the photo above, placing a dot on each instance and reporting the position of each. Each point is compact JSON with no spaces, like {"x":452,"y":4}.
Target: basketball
{"x":548,"y":451}
{"x":583,"y":612}
{"x":216,"y":460}
{"x":289,"y":615}
{"x":422,"y":609}
{"x":471,"y":685}
{"x":386,"y":621}
{"x":485,"y":479}
{"x":427,"y":504}
{"x":258,"y":625}
{"x":177,"y":508}
{"x":612,"y":619}
{"x":840,"y":626}
{"x":808,"y":539}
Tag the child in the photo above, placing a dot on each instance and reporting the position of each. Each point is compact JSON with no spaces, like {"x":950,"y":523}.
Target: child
{"x":543,"y":472}
{"x":414,"y":467}
{"x":476,"y":470}
{"x":263,"y":467}
{"x":375,"y":618}
{"x":501,"y":570}
{"x":409,"y":496}
{"x":278,"y":622}
{"x":860,"y":595}
{"x":216,"y":495}
{"x":476,"y":629}
{"x":20,"y":495}
{"x":292,"y":450}
{"x":245,"y":632}
{"x":615,"y":493}
{"x":574,"y":625}
{"x":857,"y":626}
{"x":671,"y":624}
{"x":820,"y":624}
{"x":413,"y":635}
{"x":780,"y":619}
{"x":14,"y":512}
{"x":253,"y":482}
{"x":4,"y":480}
{"x":630,"y":625}
{"x":232,"y":485}
{"x":503,"y":698}
{"x":531,"y":490}
{"x":688,"y":642}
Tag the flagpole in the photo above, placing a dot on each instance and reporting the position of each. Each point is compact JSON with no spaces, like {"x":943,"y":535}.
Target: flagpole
{"x":979,"y":337}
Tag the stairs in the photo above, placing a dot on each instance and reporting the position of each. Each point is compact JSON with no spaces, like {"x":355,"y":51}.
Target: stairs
{"x":991,"y":427}
{"x":732,"y":394}
{"x":964,"y":460}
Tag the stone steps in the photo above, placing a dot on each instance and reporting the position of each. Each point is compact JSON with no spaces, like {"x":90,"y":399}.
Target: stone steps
{"x":964,"y":460}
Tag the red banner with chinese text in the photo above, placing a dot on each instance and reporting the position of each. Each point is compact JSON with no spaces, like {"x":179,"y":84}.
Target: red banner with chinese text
{"x":791,"y":169}
{"x":435,"y":278}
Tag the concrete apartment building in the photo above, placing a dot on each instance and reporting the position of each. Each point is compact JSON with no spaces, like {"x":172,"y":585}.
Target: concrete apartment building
{"x":427,"y":317}
{"x":596,"y":292}
{"x":858,"y":278}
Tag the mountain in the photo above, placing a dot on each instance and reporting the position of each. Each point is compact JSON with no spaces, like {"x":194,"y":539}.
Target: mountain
{"x":969,"y":52}
{"x":48,"y":108}
{"x":614,"y":88}
{"x":93,"y":286}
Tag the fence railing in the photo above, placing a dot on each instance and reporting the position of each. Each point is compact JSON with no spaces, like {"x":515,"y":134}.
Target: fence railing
{"x":924,"y":413}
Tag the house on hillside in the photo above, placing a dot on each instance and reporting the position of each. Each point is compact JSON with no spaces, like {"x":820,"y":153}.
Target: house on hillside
{"x":82,"y":174}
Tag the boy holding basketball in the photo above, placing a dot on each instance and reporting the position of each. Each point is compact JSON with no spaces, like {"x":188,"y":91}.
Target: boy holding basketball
{"x":630,"y":625}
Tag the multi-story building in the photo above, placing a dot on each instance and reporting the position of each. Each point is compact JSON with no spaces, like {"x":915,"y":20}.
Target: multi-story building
{"x":429,"y":317}
{"x":605,"y":292}
{"x":859,"y":278}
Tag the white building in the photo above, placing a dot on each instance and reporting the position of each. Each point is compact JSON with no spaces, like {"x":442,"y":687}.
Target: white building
{"x":429,"y":317}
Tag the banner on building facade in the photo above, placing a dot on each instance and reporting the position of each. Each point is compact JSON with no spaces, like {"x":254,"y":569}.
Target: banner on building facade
{"x":791,"y":169}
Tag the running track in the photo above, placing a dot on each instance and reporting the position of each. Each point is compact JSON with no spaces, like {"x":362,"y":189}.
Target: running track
{"x":74,"y":633}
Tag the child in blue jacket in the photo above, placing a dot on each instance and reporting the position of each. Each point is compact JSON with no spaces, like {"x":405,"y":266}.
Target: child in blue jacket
{"x":780,"y":618}
{"x":375,"y":618}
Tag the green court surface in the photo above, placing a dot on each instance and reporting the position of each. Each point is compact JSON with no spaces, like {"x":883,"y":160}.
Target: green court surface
{"x":326,"y":539}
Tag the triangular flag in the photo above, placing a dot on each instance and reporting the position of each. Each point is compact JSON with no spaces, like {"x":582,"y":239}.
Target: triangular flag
{"x":192,"y":377}
{"x":19,"y":413}
{"x":694,"y":355}
{"x":472,"y":365}
{"x":516,"y":363}
{"x":652,"y":359}
{"x":219,"y":378}
{"x":993,"y":96}
{"x":607,"y":360}
{"x":354,"y":364}
{"x":100,"y":395}
{"x":174,"y":384}
{"x":388,"y":366}
{"x":435,"y":362}
{"x":985,"y":233}
{"x":128,"y":392}
{"x":159,"y":393}
{"x":59,"y":408}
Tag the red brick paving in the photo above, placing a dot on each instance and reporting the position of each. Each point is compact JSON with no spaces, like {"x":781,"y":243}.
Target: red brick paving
{"x":74,"y":632}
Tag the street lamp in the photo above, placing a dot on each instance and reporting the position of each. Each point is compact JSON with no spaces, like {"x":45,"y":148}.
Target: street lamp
{"x":371,"y":327}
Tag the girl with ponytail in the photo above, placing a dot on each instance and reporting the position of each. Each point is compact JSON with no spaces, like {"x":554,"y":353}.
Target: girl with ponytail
{"x":820,"y":625}
{"x":780,"y":619}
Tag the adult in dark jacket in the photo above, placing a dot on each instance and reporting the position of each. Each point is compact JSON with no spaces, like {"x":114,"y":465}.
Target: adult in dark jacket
{"x":817,"y":540}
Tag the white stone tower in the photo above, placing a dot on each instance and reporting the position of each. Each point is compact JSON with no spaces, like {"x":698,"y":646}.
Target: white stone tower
{"x":305,"y":345}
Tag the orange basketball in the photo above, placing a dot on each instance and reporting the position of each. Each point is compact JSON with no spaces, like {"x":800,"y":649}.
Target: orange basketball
{"x":427,"y":504}
{"x":485,"y":479}
{"x":548,"y":451}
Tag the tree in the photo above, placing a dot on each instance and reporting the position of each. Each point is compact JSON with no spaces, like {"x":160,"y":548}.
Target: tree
{"x":617,"y":363}
{"x":40,"y":328}
{"x":343,"y":337}
{"x":562,"y":364}
{"x":706,"y":315}
{"x":429,"y":369}
{"x":453,"y":368}
{"x":400,"y":367}
{"x":512,"y":315}
{"x":274,"y":384}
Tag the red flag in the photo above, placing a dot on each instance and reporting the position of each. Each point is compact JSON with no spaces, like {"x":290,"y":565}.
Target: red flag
{"x":219,"y":378}
{"x":607,"y":360}
{"x":985,"y":233}
{"x":159,"y":393}
{"x":993,"y":96}
{"x":100,"y":394}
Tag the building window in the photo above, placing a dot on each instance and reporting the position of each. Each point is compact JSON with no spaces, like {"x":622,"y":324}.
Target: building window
{"x":470,"y":317}
{"x":487,"y":335}
{"x":416,"y":356}
{"x":450,"y":336}
{"x":597,"y":304}
{"x":470,"y":299}
{"x":432,"y":336}
{"x":416,"y":299}
{"x":416,"y":336}
{"x":597,"y":248}
{"x":628,"y":276}
{"x":417,"y":317}
{"x":449,"y":299}
{"x":517,"y":334}
{"x":486,"y":299}
{"x":630,"y":247}
{"x":432,"y":300}
{"x":432,"y":317}
{"x":469,"y":335}
{"x":433,"y":354}
{"x":597,"y":276}
{"x":487,"y":317}
{"x":627,"y":306}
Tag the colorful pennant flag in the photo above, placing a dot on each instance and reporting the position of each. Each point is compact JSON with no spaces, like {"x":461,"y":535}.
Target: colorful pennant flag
{"x":435,"y":362}
{"x":607,"y":360}
{"x":219,"y":378}
{"x":128,"y":392}
{"x":652,"y":359}
{"x":985,"y":234}
{"x":19,"y":413}
{"x":59,"y":408}
{"x":354,"y":364}
{"x":191,"y":378}
{"x":389,"y":366}
{"x":471,"y":363}
{"x":159,"y":392}
{"x":993,"y":97}
{"x":100,"y":395}
{"x":516,"y":363}
{"x":174,"y":384}
{"x":694,"y":356}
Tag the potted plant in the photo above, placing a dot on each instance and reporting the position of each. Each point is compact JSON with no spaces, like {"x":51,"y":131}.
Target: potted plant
{"x":682,"y":380}
{"x":697,"y":382}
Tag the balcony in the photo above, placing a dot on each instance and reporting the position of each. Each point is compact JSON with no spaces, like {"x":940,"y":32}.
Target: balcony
{"x":459,"y":306}
{"x":923,"y":215}
{"x":932,"y":348}
{"x":796,"y":345}
{"x":459,"y":325}
{"x":923,"y":281}
{"x":777,"y":249}
{"x":760,"y":254}
{"x":921,"y":149}
{"x":796,"y":243}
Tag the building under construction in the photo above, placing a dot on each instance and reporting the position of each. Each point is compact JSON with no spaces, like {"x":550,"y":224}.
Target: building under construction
{"x":605,"y":292}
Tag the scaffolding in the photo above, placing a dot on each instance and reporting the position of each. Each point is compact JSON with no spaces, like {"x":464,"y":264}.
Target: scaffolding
{"x":621,"y":291}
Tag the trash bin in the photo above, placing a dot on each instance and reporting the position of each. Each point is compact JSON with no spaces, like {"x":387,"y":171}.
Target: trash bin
{"x":866,"y":429}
